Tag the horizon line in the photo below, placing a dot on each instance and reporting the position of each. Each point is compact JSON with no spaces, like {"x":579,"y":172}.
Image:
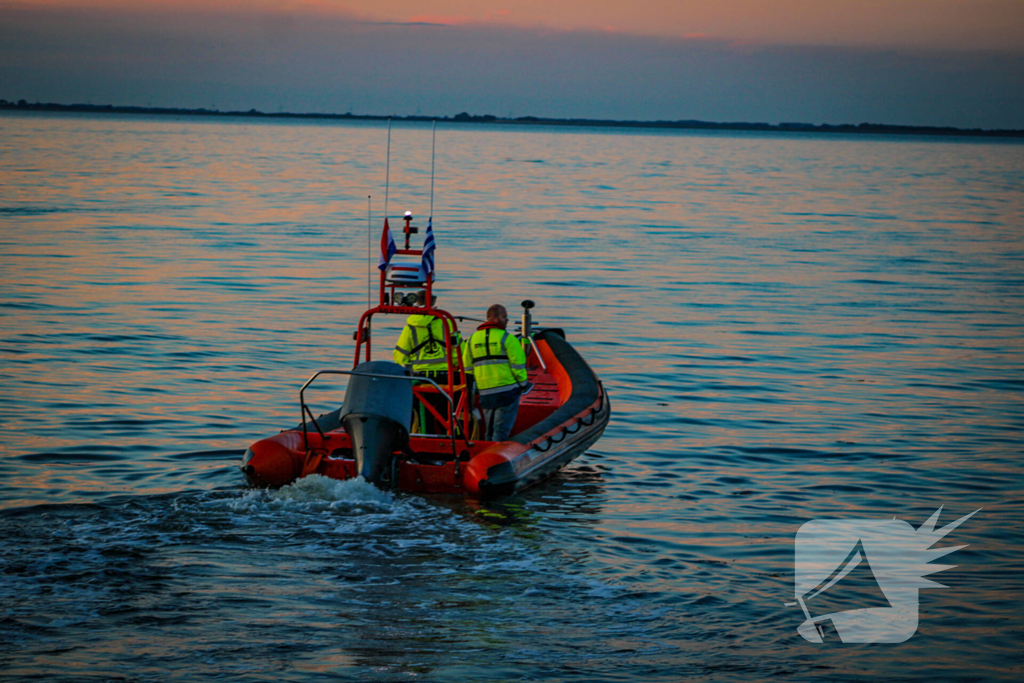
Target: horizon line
{"x":465,"y":117}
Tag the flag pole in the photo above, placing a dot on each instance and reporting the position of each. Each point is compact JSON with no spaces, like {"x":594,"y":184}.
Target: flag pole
{"x":433,"y":149}
{"x":387,"y":172}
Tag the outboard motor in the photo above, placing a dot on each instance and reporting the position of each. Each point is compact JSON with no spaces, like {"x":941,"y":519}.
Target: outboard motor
{"x":377,"y":415}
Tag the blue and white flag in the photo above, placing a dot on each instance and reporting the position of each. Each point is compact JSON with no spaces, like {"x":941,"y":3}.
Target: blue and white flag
{"x":387,"y":247}
{"x":428,"y":249}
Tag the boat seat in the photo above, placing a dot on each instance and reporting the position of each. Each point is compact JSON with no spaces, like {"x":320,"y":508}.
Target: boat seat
{"x":406,"y":271}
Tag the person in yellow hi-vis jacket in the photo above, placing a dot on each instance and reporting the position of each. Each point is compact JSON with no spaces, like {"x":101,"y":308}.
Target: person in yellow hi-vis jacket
{"x":496,"y":360}
{"x":420,"y":346}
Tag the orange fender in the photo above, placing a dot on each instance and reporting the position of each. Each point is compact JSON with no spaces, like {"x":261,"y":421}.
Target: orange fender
{"x":476,"y":468}
{"x":276,"y":461}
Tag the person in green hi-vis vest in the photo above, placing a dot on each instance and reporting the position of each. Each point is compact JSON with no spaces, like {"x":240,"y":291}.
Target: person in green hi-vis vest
{"x":497,"y":363}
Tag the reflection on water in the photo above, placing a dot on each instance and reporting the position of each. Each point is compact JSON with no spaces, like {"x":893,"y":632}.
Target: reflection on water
{"x":790,"y":328}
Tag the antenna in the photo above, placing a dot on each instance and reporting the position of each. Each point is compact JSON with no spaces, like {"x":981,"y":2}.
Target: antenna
{"x":433,"y":148}
{"x":369,"y":251}
{"x":387,"y":172}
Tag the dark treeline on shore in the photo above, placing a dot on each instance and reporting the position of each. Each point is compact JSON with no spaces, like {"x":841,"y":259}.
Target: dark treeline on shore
{"x":877,"y":128}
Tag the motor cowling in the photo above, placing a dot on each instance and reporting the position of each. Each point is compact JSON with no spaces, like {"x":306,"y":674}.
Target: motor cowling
{"x":377,"y":415}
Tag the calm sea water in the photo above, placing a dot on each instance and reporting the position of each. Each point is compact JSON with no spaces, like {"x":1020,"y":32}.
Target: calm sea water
{"x":790,"y":328}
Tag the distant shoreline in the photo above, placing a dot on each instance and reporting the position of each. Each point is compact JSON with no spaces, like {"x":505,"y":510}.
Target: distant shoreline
{"x":868,"y":128}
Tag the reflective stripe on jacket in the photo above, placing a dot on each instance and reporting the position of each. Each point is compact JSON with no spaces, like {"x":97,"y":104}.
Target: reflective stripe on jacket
{"x":421,"y":345}
{"x":496,"y":360}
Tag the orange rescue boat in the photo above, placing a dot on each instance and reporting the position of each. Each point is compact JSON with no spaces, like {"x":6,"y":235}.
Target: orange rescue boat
{"x":374,"y":433}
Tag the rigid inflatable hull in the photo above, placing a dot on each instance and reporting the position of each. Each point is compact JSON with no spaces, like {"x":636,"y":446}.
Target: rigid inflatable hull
{"x":560,"y":419}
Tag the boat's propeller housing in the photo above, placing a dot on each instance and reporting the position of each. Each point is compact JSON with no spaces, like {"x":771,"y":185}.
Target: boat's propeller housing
{"x":377,"y":415}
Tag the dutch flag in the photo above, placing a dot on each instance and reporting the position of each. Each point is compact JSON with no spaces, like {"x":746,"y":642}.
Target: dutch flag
{"x":387,"y":247}
{"x":428,"y":249}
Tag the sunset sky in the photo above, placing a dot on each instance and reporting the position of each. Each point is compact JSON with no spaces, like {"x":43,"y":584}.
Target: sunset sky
{"x":924,"y":62}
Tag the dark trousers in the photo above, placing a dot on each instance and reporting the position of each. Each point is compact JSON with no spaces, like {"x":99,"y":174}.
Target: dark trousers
{"x":500,"y":421}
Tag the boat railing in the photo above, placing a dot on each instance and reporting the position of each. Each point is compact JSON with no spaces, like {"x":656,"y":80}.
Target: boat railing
{"x":411,"y":378}
{"x":453,"y":356}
